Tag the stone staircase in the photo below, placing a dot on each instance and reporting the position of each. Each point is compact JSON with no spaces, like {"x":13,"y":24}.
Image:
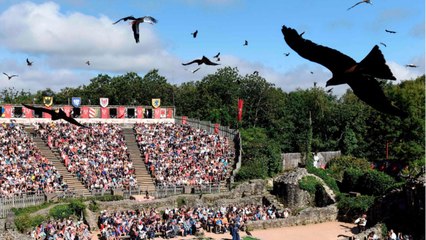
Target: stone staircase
{"x":144,"y":179}
{"x":73,"y":183}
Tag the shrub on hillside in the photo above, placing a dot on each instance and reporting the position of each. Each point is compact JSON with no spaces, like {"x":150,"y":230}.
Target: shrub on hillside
{"x":25,"y":221}
{"x":350,"y":179}
{"x":350,"y":207}
{"x":375,"y":183}
{"x":61,"y":211}
{"x":338,"y":166}
{"x":309,"y":183}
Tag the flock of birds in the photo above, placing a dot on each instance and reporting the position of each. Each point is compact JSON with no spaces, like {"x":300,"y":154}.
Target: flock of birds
{"x":360,"y":76}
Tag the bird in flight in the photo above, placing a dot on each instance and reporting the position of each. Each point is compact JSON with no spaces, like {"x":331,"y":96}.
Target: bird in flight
{"x":286,"y":54}
{"x":55,"y":114}
{"x":135,"y":23}
{"x":411,"y":65}
{"x":194,"y":34}
{"x":29,"y":63}
{"x":389,"y":31}
{"x":363,"y":1}
{"x":217,"y":55}
{"x":204,"y":60}
{"x":245,"y":43}
{"x":361,"y":77}
{"x":193,"y":71}
{"x":88,"y":63}
{"x":383,"y":44}
{"x":10,"y":76}
{"x":256,"y":73}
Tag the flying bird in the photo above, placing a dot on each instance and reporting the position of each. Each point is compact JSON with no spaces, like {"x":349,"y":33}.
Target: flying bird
{"x":10,"y":76}
{"x":361,"y":77}
{"x":389,"y":31}
{"x":56,"y":114}
{"x":194,"y":34}
{"x":88,"y":63}
{"x":204,"y":60}
{"x":363,"y":1}
{"x":256,"y":73}
{"x":383,"y":44}
{"x":135,"y":23}
{"x":29,"y":63}
{"x":286,"y":54}
{"x":194,"y":71}
{"x":245,"y":43}
{"x":218,"y":59}
{"x":411,"y":65}
{"x":217,"y":55}
{"x":330,"y":90}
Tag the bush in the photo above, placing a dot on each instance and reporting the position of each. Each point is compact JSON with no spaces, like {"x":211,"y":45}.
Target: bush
{"x":77,"y":206}
{"x":375,"y":183}
{"x":93,"y":206}
{"x":61,"y":211}
{"x":24,"y":222}
{"x":325,"y":175}
{"x":354,"y":206}
{"x":339,"y":165}
{"x":350,"y":179}
{"x":309,"y":183}
{"x":180,"y":201}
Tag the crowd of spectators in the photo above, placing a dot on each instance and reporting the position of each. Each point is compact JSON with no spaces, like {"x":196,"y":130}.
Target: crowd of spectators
{"x":97,"y":155}
{"x":179,"y":155}
{"x":22,"y":167}
{"x":169,"y":223}
{"x":65,"y":229}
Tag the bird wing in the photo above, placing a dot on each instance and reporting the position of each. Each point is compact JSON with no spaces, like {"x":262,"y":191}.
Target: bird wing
{"x":355,"y":5}
{"x":217,"y":55}
{"x":149,"y":19}
{"x":49,"y":111}
{"x":369,"y":91}
{"x":73,"y":121}
{"x":332,"y":59}
{"x":135,"y":28}
{"x":125,"y":19}
{"x":28,"y":62}
{"x":6,"y":74}
{"x":195,"y":70}
{"x":207,"y":61}
{"x":198,"y":61}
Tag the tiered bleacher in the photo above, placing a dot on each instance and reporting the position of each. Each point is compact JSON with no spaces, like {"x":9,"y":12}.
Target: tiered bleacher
{"x":96,"y":155}
{"x":23,"y":170}
{"x":179,"y":155}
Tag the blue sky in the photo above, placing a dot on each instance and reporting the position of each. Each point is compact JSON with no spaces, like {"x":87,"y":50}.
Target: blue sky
{"x":60,"y":36}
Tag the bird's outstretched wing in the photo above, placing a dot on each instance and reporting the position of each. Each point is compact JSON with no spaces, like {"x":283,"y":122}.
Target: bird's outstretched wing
{"x":49,"y":111}
{"x":29,"y":63}
{"x":135,"y":28}
{"x":198,"y":61}
{"x":355,"y":5}
{"x":125,"y":19}
{"x":207,"y":61}
{"x":217,"y":55}
{"x":149,"y":19}
{"x":368,"y":89}
{"x":330,"y":58}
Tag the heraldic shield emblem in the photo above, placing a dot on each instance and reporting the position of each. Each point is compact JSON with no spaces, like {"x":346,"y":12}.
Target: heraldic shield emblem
{"x":76,"y":102}
{"x":103,"y":102}
{"x":156,"y":102}
{"x":47,"y":101}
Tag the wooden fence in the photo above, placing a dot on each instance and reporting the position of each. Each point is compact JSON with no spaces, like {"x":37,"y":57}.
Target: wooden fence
{"x":20,"y":201}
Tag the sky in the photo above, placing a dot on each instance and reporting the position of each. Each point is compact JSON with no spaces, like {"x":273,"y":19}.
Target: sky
{"x":60,"y":36}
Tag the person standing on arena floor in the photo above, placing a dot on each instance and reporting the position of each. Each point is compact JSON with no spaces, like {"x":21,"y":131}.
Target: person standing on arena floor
{"x":361,"y":222}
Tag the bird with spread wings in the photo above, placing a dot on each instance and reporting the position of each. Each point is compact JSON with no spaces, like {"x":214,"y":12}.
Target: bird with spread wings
{"x":203,"y":60}
{"x":135,"y":23}
{"x":361,"y":77}
{"x":363,"y":1}
{"x":10,"y":76}
{"x":56,"y":114}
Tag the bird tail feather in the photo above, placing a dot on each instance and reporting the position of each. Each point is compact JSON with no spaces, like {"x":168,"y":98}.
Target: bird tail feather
{"x":374,"y":64}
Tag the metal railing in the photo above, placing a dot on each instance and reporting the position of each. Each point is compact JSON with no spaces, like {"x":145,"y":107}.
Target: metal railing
{"x":19,"y":201}
{"x":172,"y":190}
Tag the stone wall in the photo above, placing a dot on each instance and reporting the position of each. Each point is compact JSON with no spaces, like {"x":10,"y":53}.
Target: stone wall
{"x":306,"y":216}
{"x":292,"y":160}
{"x":286,"y":188}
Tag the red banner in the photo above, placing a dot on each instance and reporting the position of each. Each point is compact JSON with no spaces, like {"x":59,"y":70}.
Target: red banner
{"x":67,"y":110}
{"x":169,"y":112}
{"x":45,"y":114}
{"x":121,"y":112}
{"x":28,"y":113}
{"x":84,"y":113}
{"x":157,"y":113}
{"x":8,"y":111}
{"x":240,"y":110}
{"x":139,"y":112}
{"x":104,"y":112}
{"x":216,"y":128}
{"x":184,"y":119}
{"x":163,"y":113}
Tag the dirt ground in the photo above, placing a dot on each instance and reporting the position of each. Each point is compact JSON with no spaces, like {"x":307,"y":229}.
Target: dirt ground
{"x":320,"y":231}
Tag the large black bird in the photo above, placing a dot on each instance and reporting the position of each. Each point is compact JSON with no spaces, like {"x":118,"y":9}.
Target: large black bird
{"x":56,"y":114}
{"x":135,"y":24}
{"x":10,"y":76}
{"x":29,"y":63}
{"x":204,"y":60}
{"x":194,"y":34}
{"x":363,"y":1}
{"x":361,"y":77}
{"x":389,"y":31}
